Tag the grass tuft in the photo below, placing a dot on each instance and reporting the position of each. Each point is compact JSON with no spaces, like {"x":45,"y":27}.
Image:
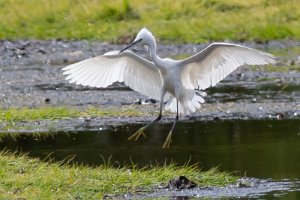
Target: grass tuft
{"x":28,"y":178}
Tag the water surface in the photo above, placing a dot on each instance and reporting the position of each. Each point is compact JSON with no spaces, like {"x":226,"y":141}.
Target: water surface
{"x":264,"y":149}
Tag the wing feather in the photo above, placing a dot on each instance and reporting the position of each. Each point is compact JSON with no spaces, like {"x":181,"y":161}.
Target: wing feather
{"x":138,"y":73}
{"x":217,"y":61}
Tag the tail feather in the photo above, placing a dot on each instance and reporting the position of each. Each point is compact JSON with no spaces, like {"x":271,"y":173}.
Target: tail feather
{"x":189,"y":103}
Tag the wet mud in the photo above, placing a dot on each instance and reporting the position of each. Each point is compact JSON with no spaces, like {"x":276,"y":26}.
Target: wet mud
{"x":251,"y":188}
{"x":31,"y":76}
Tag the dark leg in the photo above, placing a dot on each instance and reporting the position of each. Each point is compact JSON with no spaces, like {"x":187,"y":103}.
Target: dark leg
{"x":168,"y":140}
{"x":140,"y":132}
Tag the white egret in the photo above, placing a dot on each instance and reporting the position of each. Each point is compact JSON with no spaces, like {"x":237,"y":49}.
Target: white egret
{"x":175,"y":81}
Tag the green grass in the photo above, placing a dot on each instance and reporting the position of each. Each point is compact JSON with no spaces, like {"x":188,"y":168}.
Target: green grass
{"x":287,"y":60}
{"x":13,"y":118}
{"x":41,"y":113}
{"x":172,"y":20}
{"x":27,"y":114}
{"x":22,"y":177}
{"x":272,"y":68}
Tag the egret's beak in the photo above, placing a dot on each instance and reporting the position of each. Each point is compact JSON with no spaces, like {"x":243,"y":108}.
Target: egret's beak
{"x":130,"y":45}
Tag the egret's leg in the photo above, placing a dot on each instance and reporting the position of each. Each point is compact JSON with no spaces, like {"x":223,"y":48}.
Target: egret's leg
{"x":168,"y":140}
{"x":140,"y":132}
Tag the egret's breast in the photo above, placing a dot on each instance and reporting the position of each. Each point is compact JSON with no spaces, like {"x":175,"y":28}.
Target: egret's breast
{"x":172,"y":81}
{"x":170,"y":74}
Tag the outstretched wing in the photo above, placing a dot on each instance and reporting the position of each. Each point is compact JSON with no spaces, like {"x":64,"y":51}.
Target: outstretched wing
{"x":138,"y":73}
{"x":218,"y":60}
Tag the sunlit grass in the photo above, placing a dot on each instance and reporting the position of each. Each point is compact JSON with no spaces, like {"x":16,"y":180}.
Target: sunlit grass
{"x":29,"y":114}
{"x":22,"y":177}
{"x":171,"y":21}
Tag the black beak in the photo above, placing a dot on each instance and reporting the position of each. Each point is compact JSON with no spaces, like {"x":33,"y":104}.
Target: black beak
{"x":130,"y":45}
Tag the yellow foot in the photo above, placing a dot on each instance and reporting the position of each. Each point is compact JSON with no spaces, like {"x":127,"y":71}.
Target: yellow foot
{"x":137,"y":134}
{"x":168,"y":141}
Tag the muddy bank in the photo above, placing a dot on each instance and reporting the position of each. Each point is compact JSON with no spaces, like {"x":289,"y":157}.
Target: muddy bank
{"x":31,"y":76}
{"x":61,"y":52}
{"x":246,"y":188}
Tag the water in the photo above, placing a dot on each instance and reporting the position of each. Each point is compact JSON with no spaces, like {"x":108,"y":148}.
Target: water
{"x":256,"y":148}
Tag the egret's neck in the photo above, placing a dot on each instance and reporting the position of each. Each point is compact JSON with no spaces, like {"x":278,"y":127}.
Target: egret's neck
{"x":154,"y":56}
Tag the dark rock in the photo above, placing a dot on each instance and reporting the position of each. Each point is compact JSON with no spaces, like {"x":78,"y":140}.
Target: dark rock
{"x":181,"y":182}
{"x":280,"y":116}
{"x":149,"y":101}
{"x":216,"y":118}
{"x":138,"y":101}
{"x":245,"y":182}
{"x":47,"y":100}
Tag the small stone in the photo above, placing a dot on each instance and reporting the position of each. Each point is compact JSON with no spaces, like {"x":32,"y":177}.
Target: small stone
{"x":280,"y":116}
{"x":216,"y":118}
{"x":149,"y":101}
{"x":76,"y":54}
{"x":47,"y":100}
{"x":40,"y":50}
{"x":86,"y":121}
{"x":270,"y":116}
{"x":138,"y":101}
{"x":246,"y":182}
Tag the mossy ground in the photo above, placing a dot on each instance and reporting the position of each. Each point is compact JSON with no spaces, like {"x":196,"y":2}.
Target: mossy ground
{"x":118,"y":21}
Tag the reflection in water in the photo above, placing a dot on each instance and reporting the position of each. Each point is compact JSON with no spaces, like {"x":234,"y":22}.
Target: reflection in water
{"x":262,"y":149}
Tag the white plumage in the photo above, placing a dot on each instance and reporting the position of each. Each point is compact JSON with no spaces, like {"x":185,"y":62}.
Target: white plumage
{"x":218,"y":60}
{"x":166,"y":79}
{"x":138,"y":73}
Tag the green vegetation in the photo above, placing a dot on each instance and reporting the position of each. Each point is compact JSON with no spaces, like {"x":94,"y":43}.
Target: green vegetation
{"x":22,"y":177}
{"x":287,"y":61}
{"x":41,"y":113}
{"x":27,"y":114}
{"x":13,"y":118}
{"x":272,"y":68}
{"x":172,"y":21}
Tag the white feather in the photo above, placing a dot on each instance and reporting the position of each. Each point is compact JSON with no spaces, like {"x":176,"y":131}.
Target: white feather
{"x":217,"y":61}
{"x":136,"y":72}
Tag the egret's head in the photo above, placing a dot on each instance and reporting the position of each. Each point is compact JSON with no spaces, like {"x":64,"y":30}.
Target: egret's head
{"x":143,"y":37}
